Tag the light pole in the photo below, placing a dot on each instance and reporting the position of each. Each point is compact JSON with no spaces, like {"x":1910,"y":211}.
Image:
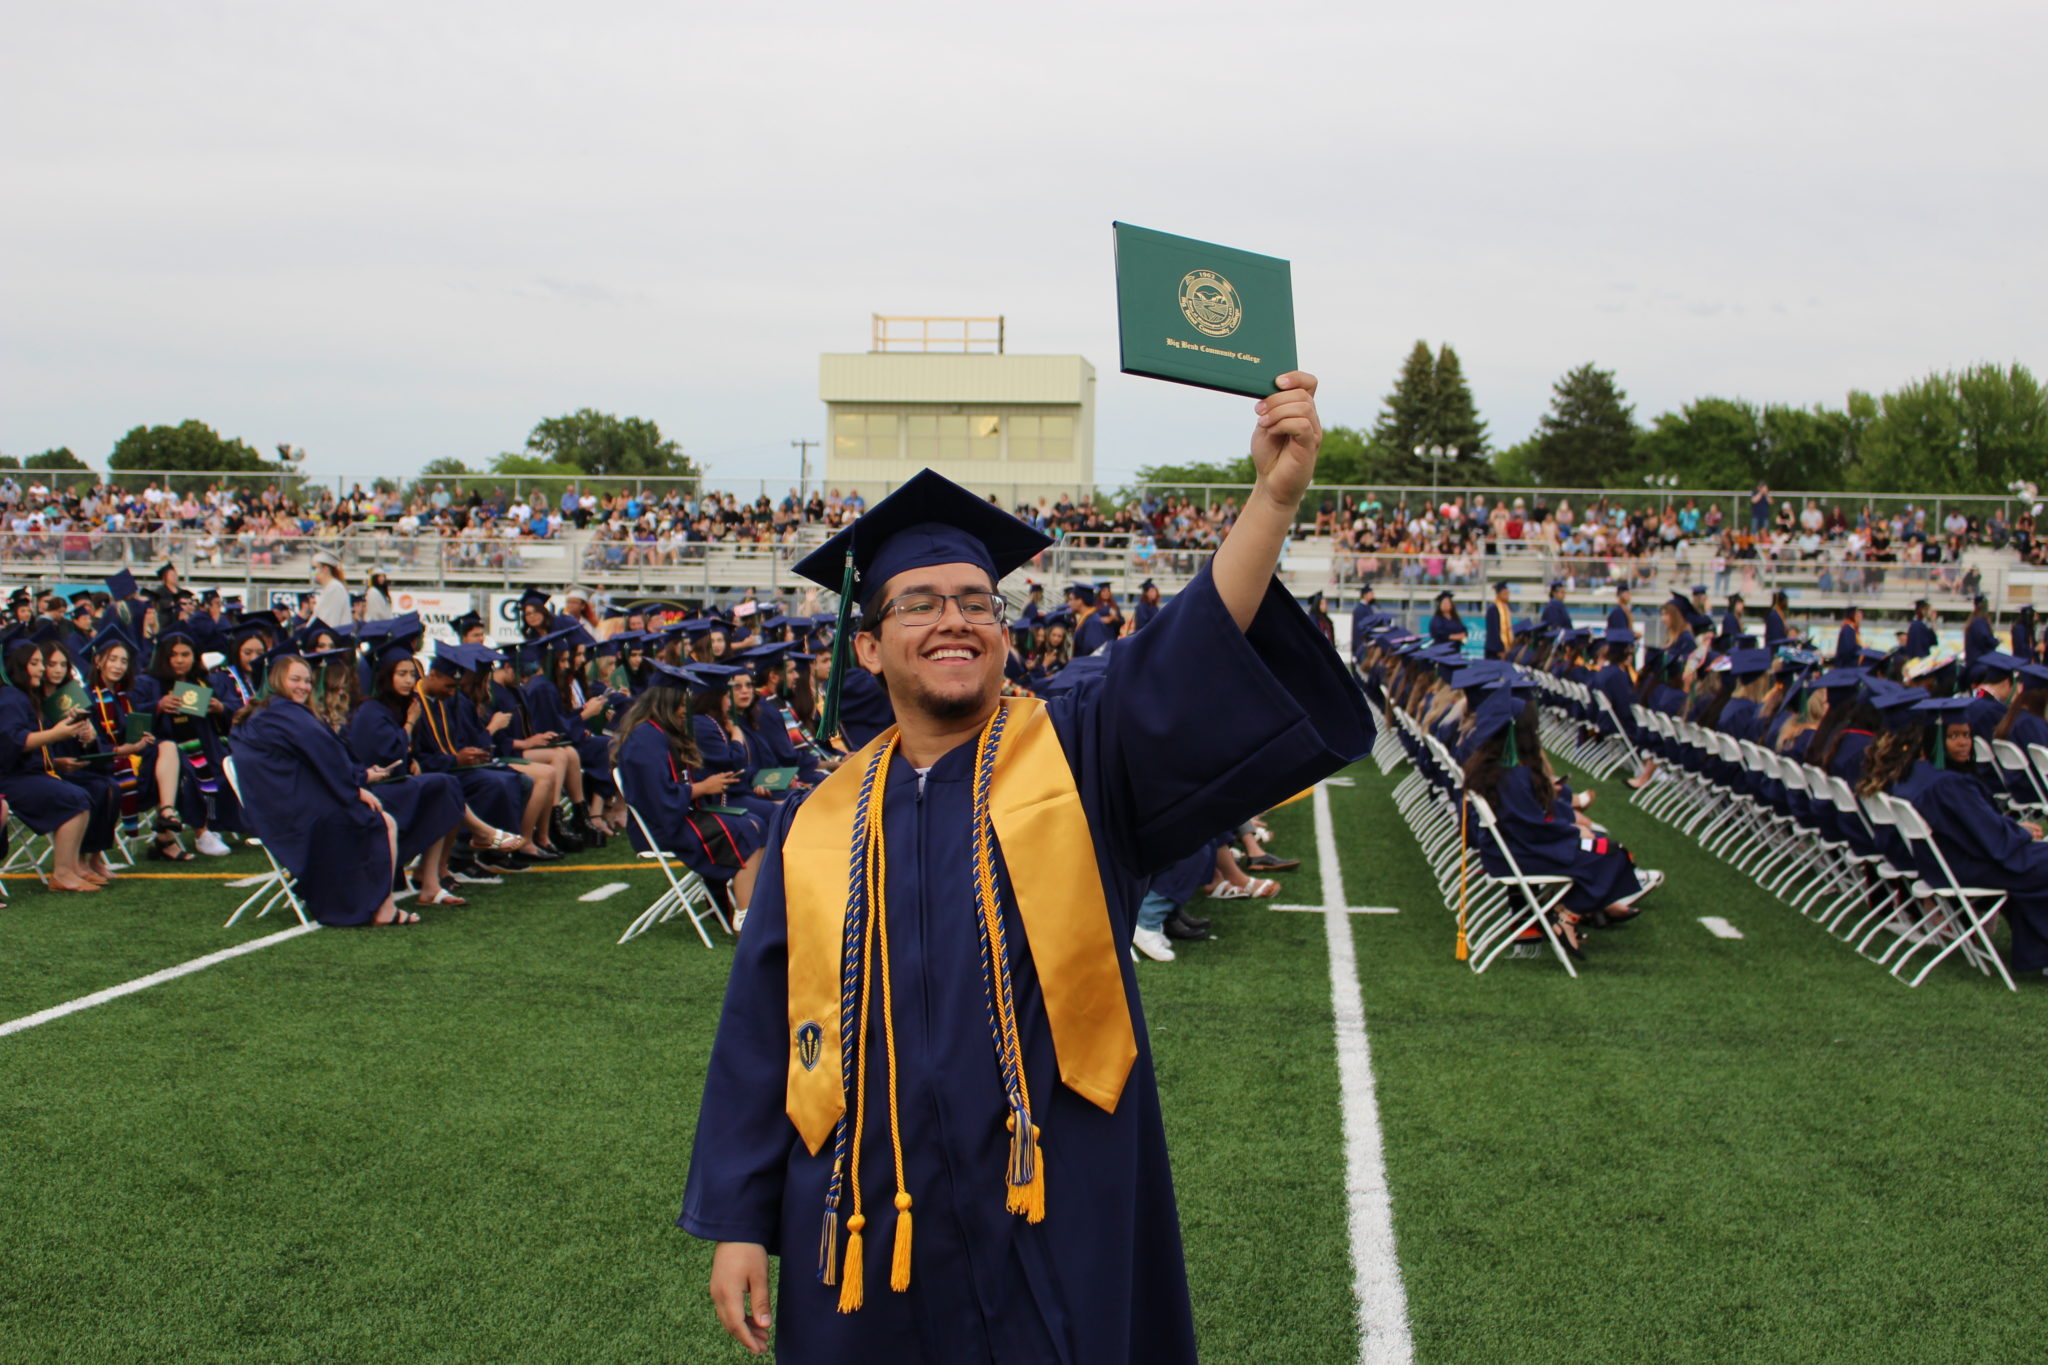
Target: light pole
{"x":1436,"y":455}
{"x":1666,"y":482}
{"x":803,"y":478}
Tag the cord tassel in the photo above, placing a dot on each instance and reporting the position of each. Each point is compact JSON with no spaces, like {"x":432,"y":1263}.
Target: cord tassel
{"x":828,"y":1248}
{"x":851,"y":1289}
{"x":1023,"y":1151}
{"x":899,"y":1263}
{"x":1029,"y":1197}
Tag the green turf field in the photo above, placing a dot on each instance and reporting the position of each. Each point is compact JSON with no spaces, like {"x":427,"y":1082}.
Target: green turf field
{"x":466,"y":1141}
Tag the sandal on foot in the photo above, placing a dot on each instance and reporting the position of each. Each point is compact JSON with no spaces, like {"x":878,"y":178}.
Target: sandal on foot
{"x":443,"y":897}
{"x":500,"y":841}
{"x":401,"y":918}
{"x":167,"y":821}
{"x":163,"y":853}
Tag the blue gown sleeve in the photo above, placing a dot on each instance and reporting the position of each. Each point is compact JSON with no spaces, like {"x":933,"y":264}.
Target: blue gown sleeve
{"x":1143,"y":733}
{"x":17,"y":723}
{"x":743,"y":1135}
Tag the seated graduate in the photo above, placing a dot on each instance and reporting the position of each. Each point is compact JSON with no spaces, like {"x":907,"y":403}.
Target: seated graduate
{"x":81,"y":762}
{"x":654,"y":755}
{"x":491,"y":685}
{"x":1992,"y":692}
{"x":1736,"y":713}
{"x":240,"y":675}
{"x":78,"y":819}
{"x":449,"y":737}
{"x":204,"y":800}
{"x":1537,"y":821}
{"x":561,"y":705}
{"x":304,"y":794}
{"x":721,"y":743}
{"x":1984,"y":847}
{"x":1678,"y":637}
{"x":382,"y":736}
{"x":762,"y":726}
{"x":142,"y":774}
{"x":2023,"y":722}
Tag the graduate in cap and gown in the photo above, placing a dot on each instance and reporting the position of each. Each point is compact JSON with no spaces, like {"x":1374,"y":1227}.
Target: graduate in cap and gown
{"x":653,"y":754}
{"x":721,"y":740}
{"x":239,"y":678}
{"x":1920,"y":640}
{"x":1500,"y":623}
{"x":307,"y":800}
{"x":72,"y":815}
{"x":449,"y":737}
{"x":426,"y":807}
{"x":1028,"y":1147}
{"x":1149,"y":604}
{"x":1445,"y":625}
{"x":204,"y":799}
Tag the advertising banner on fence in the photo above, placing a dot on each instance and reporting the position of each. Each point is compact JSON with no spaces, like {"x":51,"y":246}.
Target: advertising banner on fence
{"x":436,"y":609}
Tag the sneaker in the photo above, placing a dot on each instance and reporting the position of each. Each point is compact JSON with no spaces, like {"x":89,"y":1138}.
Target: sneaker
{"x":211,"y":845}
{"x":1266,"y":862}
{"x":1649,"y":878}
{"x":1152,"y":944}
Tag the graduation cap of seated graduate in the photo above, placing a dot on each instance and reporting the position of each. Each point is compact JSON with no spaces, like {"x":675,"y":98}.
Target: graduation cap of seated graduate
{"x":2034,"y":674}
{"x":111,"y":635}
{"x":82,"y":598}
{"x":928,"y":521}
{"x":1617,"y":635}
{"x":1523,"y":626}
{"x":1496,"y":716}
{"x":764,"y":657}
{"x":568,"y":637}
{"x":1997,"y":666}
{"x":706,"y":679}
{"x":534,"y":597}
{"x":122,"y":585}
{"x":453,"y":660}
{"x":465,"y":623}
{"x":1938,"y":712}
{"x":1749,"y":663}
{"x":1653,"y":657}
{"x":1937,"y":671}
{"x":255,"y":625}
{"x":668,"y":675}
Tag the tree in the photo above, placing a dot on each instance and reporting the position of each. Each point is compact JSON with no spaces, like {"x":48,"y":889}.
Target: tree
{"x":60,"y":458}
{"x":191,"y":446}
{"x":1587,"y":439}
{"x":1431,"y":405}
{"x":1457,"y":416}
{"x":598,"y":443}
{"x":445,"y":466}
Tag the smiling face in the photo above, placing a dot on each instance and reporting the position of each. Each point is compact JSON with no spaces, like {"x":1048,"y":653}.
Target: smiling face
{"x":298,"y":681}
{"x":950,"y":670}
{"x":249,"y":651}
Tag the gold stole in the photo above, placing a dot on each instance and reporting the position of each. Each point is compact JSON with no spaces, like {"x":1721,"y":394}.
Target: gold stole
{"x":1049,"y":855}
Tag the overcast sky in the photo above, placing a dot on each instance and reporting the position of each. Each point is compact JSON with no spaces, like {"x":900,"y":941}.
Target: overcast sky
{"x":394,"y":231}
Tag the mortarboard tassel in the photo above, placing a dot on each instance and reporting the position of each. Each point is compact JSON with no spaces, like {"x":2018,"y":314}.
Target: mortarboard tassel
{"x":842,"y":652}
{"x":828,"y":1248}
{"x":1512,"y":753}
{"x":1027,"y":1196}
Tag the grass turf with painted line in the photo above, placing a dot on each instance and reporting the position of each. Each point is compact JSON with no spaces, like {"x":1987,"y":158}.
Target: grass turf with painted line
{"x":468,"y":1142}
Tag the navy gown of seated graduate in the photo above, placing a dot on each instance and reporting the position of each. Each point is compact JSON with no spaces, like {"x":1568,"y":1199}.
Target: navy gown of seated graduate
{"x":864,"y":707}
{"x":722,"y":755}
{"x":33,"y":790}
{"x":302,"y":791}
{"x":1101,"y":1279}
{"x":660,"y":791}
{"x":549,"y":710}
{"x":1985,"y":847}
{"x":449,"y":724}
{"x":424,"y":805}
{"x":769,"y":744}
{"x":1547,"y":842}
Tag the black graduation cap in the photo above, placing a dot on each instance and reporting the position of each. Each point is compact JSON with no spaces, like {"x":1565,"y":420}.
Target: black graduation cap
{"x":121,"y":586}
{"x":81,"y":598}
{"x":162,"y":569}
{"x":929,"y":520}
{"x":668,"y":675}
{"x":710,"y":678}
{"x":534,"y":597}
{"x":453,"y":660}
{"x":462,"y":624}
{"x":112,"y":635}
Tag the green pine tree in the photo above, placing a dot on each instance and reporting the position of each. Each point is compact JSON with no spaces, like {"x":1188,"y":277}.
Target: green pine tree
{"x":1457,"y":416}
{"x":1408,"y":418}
{"x":1588,"y":438}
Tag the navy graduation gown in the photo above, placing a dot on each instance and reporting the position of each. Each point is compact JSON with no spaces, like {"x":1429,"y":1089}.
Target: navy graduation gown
{"x":1775,"y":627}
{"x":1101,"y":1279}
{"x":1499,"y":630}
{"x":2022,"y":640}
{"x":864,"y":707}
{"x":1978,"y":639}
{"x":1731,"y":631}
{"x":1547,"y":842}
{"x":1556,"y":615}
{"x":1984,"y":714}
{"x":1617,"y":619}
{"x":35,"y":793}
{"x":496,"y":795}
{"x":1738,"y":718}
{"x":549,"y":710}
{"x":1093,"y":632}
{"x":1681,"y":646}
{"x":720,"y":755}
{"x":770,"y":731}
{"x":1446,"y":629}
{"x":304,"y":799}
{"x":1142,"y":614}
{"x":1919,"y":640}
{"x":661,"y":794}
{"x":425,"y":806}
{"x":1984,"y":847}
{"x":1848,"y":645}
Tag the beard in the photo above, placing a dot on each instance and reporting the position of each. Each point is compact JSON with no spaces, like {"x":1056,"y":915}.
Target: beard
{"x":942,"y":707}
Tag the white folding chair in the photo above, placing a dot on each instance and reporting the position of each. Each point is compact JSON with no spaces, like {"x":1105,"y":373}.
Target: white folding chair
{"x":685,"y":888}
{"x":1963,"y":915}
{"x":1530,"y":903}
{"x":276,"y":884}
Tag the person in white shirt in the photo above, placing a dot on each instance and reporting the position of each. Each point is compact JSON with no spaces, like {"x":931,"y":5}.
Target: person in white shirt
{"x":331,"y":604}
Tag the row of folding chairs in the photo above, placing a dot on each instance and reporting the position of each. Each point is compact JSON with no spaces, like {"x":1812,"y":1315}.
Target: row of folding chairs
{"x":1451,"y":827}
{"x":1866,"y":869}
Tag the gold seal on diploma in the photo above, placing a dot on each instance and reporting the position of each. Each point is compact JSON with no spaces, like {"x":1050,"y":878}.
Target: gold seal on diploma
{"x":1209,"y":303}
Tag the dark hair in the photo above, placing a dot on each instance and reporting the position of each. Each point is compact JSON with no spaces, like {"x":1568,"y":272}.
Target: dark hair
{"x":17,"y":664}
{"x":661,"y":706}
{"x":1887,"y":760}
{"x":385,"y":691}
{"x":1483,"y":767}
{"x":161,"y":669}
{"x":2033,"y":698}
{"x":1858,"y":715}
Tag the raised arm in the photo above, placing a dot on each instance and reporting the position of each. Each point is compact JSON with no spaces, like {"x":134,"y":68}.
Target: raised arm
{"x":1284,"y":446}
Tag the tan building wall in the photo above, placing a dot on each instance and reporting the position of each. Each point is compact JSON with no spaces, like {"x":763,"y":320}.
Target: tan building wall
{"x":994,"y":423}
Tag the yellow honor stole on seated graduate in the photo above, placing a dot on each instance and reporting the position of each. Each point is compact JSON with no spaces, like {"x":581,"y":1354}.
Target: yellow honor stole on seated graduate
{"x":834,"y":879}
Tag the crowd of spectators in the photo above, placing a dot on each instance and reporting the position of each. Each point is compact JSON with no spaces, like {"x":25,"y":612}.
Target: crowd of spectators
{"x":1849,"y":545}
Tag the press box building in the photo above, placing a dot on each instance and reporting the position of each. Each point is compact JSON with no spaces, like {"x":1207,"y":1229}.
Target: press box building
{"x":943,"y":393}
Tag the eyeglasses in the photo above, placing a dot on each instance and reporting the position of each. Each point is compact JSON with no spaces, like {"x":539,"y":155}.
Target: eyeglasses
{"x":927,"y":608}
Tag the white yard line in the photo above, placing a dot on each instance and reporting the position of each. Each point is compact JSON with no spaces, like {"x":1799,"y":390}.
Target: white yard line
{"x":1383,"y":1333}
{"x":1349,"y":909}
{"x":143,"y":983}
{"x":603,"y":893}
{"x":1720,"y":928}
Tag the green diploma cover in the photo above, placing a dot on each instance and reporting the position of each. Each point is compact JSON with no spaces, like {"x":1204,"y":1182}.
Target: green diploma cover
{"x":1201,"y":314}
